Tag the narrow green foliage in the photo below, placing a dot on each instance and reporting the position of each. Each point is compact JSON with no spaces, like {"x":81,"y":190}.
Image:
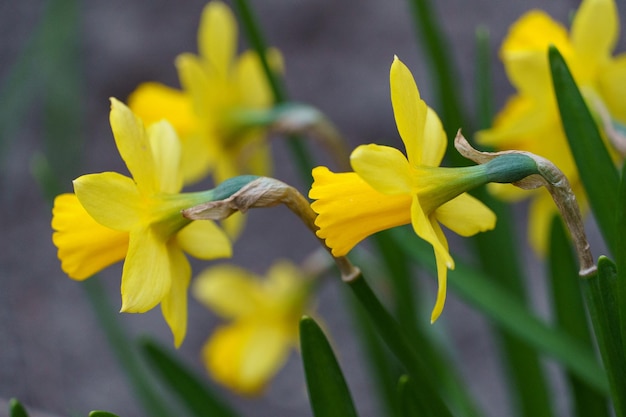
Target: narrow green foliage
{"x":506,"y":310}
{"x":600,"y":295}
{"x":571,"y":317}
{"x":329,"y":395}
{"x":192,"y":392}
{"x":16,"y":409}
{"x":442,"y":69}
{"x":302,"y":158}
{"x":397,"y":341}
{"x":383,"y":368}
{"x":595,"y":166}
{"x":408,"y":406}
{"x":99,"y":413}
{"x":484,"y":90}
{"x":620,"y":243}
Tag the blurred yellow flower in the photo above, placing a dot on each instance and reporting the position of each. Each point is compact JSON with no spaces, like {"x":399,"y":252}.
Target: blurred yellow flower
{"x":388,"y":189}
{"x":264,"y":314}
{"x":113,"y":217}
{"x":217,"y":89}
{"x":530,"y":120}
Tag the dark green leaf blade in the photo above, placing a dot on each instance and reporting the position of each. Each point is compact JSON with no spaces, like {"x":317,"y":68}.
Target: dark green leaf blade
{"x":408,"y":406}
{"x":595,"y":166}
{"x":328,"y":392}
{"x":16,"y":409}
{"x":570,"y":314}
{"x":193,"y":393}
{"x":600,"y":294}
{"x":99,"y":413}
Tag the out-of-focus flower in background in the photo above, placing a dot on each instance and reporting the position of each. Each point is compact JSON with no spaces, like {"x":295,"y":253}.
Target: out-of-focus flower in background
{"x":263,"y":315}
{"x":219,"y":89}
{"x":530,"y":120}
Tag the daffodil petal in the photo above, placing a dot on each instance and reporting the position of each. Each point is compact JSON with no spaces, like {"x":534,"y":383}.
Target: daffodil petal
{"x":203,"y":239}
{"x":153,"y":102}
{"x":434,"y":142}
{"x":594,"y":30}
{"x":133,"y":145}
{"x":612,"y":85}
{"x":174,"y":304}
{"x":147,"y":273}
{"x":197,"y":157}
{"x":409,"y":110}
{"x":228,"y":290}
{"x":524,"y":52}
{"x":233,"y":225}
{"x":112,"y":199}
{"x":217,"y":37}
{"x":195,"y":82}
{"x":384,"y":168}
{"x":166,"y":152}
{"x":251,"y":80}
{"x":466,"y":215}
{"x":442,"y":275}
{"x":244,"y":356}
{"x":423,"y":227}
{"x":85,"y":247}
{"x":349,"y":209}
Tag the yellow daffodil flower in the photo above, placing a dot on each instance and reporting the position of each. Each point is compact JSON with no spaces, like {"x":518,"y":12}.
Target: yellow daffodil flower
{"x":113,"y":217}
{"x":388,"y":189}
{"x":264,"y":314}
{"x":530,"y":120}
{"x":218,"y":89}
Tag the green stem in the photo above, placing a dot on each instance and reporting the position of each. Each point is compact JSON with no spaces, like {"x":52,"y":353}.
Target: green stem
{"x":442,"y":72}
{"x":256,"y":39}
{"x":396,"y":340}
{"x":569,"y":309}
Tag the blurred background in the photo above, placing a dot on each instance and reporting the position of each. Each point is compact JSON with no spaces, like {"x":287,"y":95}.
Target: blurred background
{"x":53,"y":355}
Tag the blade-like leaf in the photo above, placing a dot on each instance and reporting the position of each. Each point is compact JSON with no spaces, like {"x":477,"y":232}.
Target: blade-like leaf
{"x":16,"y":409}
{"x":408,"y":406}
{"x":600,"y":294}
{"x":98,"y":413}
{"x":328,"y":393}
{"x":193,"y":393}
{"x":569,"y":309}
{"x":620,"y":225}
{"x":595,"y":166}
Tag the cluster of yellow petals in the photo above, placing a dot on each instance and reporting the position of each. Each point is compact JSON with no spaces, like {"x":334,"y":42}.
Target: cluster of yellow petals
{"x":388,"y":189}
{"x":215,"y":85}
{"x":263,"y":315}
{"x":112,"y":217}
{"x":530,"y":120}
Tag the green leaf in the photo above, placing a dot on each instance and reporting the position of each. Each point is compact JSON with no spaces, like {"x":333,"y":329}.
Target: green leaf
{"x":192,"y":392}
{"x":98,"y":413}
{"x":408,"y":406}
{"x":328,"y":393}
{"x":569,"y":310}
{"x":595,"y":166}
{"x":505,"y":309}
{"x":600,"y":294}
{"x":16,"y":409}
{"x":620,"y":226}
